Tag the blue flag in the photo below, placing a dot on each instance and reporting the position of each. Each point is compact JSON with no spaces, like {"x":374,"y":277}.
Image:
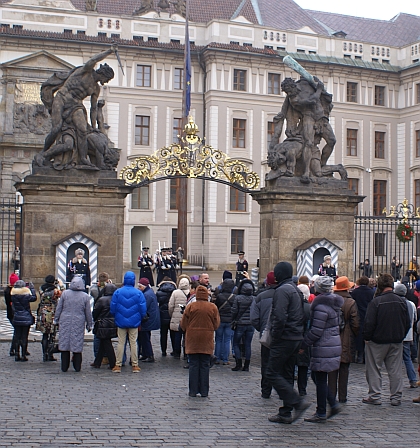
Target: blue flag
{"x":187,"y":71}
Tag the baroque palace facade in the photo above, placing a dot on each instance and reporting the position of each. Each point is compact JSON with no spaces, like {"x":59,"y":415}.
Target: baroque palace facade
{"x":371,"y":67}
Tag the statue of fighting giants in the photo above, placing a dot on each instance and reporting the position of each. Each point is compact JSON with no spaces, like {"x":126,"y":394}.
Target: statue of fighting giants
{"x":71,"y":135}
{"x":306,"y":110}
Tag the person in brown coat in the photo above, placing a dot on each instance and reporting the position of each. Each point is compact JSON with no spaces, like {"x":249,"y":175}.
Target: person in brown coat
{"x":347,"y":335}
{"x":199,"y":321}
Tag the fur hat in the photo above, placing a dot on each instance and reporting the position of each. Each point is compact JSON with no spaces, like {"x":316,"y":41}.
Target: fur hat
{"x":202,"y":293}
{"x":50,"y":279}
{"x":79,"y":252}
{"x":19,"y":284}
{"x":400,"y":290}
{"x":323,"y":284}
{"x":13,"y":279}
{"x":184,"y":283}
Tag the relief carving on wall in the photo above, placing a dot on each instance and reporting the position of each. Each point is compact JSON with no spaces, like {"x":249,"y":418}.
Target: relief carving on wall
{"x":30,"y":116}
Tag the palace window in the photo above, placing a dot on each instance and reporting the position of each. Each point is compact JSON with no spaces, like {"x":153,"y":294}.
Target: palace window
{"x":379,"y":197}
{"x":140,"y":198}
{"x":352,"y":92}
{"x":239,"y":80}
{"x":417,"y":193}
{"x":178,"y":78}
{"x":379,"y":244}
{"x":352,"y":142}
{"x":270,"y":131}
{"x":142,"y":130}
{"x":143,"y":76}
{"x":418,"y":93}
{"x":236,"y":241}
{"x":238,"y":138}
{"x":380,"y":145}
{"x":237,"y":200}
{"x":274,"y":84}
{"x":417,"y":143}
{"x":174,"y":194}
{"x":379,"y":96}
{"x":176,"y":129}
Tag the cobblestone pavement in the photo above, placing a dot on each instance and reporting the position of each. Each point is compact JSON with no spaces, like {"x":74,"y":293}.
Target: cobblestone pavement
{"x":43,"y":407}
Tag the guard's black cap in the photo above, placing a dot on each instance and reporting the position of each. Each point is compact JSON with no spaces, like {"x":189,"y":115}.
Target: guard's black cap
{"x":241,"y":252}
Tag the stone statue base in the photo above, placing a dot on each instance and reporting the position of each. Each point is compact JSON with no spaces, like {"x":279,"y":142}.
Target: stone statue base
{"x":59,"y":204}
{"x":293,"y":214}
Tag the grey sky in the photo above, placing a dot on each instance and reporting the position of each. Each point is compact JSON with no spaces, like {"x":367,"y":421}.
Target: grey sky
{"x":375,"y":9}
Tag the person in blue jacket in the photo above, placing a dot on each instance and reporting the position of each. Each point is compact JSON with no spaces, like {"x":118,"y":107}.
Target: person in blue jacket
{"x":151,"y":322}
{"x":128,"y":306}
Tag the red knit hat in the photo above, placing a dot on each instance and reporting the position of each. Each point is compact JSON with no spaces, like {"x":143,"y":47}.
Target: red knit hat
{"x":13,"y":279}
{"x":270,"y":280}
{"x":144,"y":281}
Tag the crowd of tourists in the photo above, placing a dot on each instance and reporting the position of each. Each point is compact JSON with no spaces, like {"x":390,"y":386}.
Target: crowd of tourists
{"x":308,"y":328}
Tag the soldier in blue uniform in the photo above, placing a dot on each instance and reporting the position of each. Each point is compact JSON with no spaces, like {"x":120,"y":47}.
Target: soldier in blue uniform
{"x":145,"y":263}
{"x":78,"y":266}
{"x":241,"y":267}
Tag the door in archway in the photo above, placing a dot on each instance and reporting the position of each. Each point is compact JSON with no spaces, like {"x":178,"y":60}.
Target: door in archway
{"x":318,"y":258}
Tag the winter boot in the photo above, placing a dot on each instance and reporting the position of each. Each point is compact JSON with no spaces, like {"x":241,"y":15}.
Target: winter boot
{"x":12,"y":349}
{"x":246,"y":365}
{"x":44,"y":344}
{"x":238,"y":365}
{"x":24,"y":352}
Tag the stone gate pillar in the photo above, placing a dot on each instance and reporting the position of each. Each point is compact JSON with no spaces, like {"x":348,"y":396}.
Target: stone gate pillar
{"x":291,"y":213}
{"x":62,"y":203}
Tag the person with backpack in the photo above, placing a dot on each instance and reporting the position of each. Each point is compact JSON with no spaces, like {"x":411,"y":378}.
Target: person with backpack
{"x":241,"y":323}
{"x":349,"y":329}
{"x":49,"y":294}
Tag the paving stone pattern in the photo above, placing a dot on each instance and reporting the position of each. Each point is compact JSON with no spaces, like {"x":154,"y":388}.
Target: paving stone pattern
{"x":43,"y":407}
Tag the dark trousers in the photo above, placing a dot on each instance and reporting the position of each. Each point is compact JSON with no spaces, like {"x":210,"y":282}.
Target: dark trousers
{"x":199,"y":373}
{"x":302,"y":380}
{"x":145,"y":344}
{"x":105,"y":348}
{"x":265,"y":384}
{"x":65,"y":361}
{"x":176,"y":337}
{"x":247,"y":332}
{"x":280,"y":373}
{"x":20,"y":337}
{"x":323,"y":393}
{"x":164,"y":329}
{"x":340,"y":377}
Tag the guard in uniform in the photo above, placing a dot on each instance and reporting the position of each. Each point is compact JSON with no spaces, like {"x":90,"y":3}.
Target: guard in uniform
{"x":145,"y":263}
{"x":175,"y":266}
{"x":164,"y":267}
{"x":78,"y":266}
{"x":241,"y":267}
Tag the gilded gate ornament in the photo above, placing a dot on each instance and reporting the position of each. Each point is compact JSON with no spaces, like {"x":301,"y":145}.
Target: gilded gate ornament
{"x":193,"y":159}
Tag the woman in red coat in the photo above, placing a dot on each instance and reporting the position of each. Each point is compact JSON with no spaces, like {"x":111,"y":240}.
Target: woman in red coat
{"x":199,"y":321}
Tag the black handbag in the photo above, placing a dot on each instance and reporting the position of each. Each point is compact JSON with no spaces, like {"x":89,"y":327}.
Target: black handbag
{"x":53,"y":345}
{"x":96,"y":327}
{"x":234,"y":323}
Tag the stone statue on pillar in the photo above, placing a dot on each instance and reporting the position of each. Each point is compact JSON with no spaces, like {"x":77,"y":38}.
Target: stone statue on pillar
{"x":306,"y":111}
{"x":74,"y":142}
{"x":91,"y":5}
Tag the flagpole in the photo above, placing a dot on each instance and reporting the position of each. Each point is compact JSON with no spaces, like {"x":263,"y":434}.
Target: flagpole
{"x":182,"y":233}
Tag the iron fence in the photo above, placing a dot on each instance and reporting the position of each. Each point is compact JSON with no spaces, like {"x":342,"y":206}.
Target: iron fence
{"x":376,"y":240}
{"x":10,"y":237}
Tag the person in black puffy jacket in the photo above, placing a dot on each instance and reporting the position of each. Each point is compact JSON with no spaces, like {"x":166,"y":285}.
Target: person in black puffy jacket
{"x":21,"y":297}
{"x":241,"y":314}
{"x":224,"y":302}
{"x":163,"y":294}
{"x":105,"y":326}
